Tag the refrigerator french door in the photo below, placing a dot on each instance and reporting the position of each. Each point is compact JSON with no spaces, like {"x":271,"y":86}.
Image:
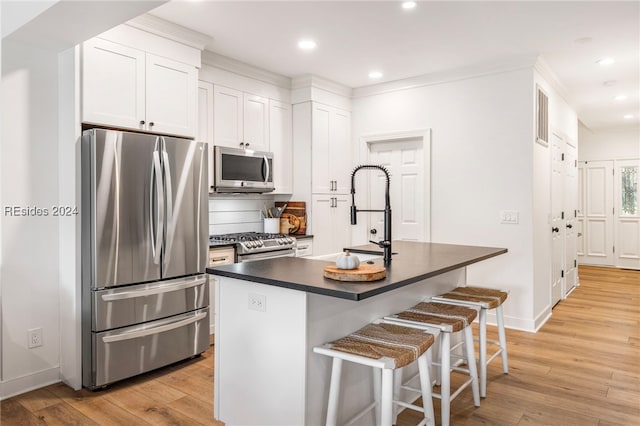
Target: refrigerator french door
{"x":145,"y":294}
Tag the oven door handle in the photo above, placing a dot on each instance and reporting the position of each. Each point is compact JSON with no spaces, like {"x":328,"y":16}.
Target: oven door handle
{"x":266,"y":255}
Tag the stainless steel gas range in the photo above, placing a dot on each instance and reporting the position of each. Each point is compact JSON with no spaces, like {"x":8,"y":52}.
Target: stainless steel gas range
{"x":252,"y":246}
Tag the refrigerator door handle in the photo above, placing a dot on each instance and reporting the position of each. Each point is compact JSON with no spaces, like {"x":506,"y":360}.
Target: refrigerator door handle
{"x":266,"y":163}
{"x":153,"y":330}
{"x":154,"y":290}
{"x":169,"y":202}
{"x":156,"y":173}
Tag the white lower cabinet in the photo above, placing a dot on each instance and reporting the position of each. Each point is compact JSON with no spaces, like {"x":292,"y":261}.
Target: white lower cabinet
{"x":218,"y":256}
{"x":304,"y":247}
{"x":330,"y":221}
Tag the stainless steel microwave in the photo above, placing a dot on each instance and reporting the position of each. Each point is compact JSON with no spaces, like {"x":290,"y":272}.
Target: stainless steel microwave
{"x":242,"y":170}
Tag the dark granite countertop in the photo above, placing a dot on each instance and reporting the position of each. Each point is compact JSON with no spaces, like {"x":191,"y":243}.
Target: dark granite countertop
{"x":413,"y":262}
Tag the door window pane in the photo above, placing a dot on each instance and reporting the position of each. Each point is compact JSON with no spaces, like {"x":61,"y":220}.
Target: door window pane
{"x":629,"y":190}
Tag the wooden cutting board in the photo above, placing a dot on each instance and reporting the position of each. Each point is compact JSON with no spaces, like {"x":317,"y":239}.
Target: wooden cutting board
{"x":363,"y":273}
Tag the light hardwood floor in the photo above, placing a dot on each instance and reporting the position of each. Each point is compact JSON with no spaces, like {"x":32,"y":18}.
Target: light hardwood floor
{"x":581,"y":368}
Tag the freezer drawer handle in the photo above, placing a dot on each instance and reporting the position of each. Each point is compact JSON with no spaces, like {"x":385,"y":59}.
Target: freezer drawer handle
{"x":152,"y":291}
{"x":154,"y":330}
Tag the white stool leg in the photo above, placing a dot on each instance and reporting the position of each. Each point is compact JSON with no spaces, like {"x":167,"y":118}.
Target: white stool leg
{"x":386,"y":411}
{"x":482,"y":331}
{"x":425,"y":387}
{"x":334,"y":392}
{"x":397,"y":383}
{"x":471,"y":362}
{"x":445,"y":377}
{"x":503,"y":339}
{"x":377,"y":389}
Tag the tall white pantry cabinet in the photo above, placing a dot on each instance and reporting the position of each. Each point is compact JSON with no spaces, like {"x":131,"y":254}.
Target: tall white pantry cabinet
{"x":327,"y":131}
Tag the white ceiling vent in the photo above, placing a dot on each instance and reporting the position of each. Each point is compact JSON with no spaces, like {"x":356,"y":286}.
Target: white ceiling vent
{"x":542,"y":117}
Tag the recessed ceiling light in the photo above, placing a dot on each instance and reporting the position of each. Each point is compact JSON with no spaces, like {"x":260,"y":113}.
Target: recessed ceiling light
{"x":307,"y":44}
{"x":375,"y":74}
{"x":620,"y":97}
{"x":408,"y":5}
{"x":605,"y":61}
{"x":628,"y":116}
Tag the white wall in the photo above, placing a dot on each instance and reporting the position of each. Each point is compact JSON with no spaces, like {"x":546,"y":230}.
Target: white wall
{"x":29,"y":178}
{"x":608,"y":144}
{"x":563,"y":121}
{"x":481,"y":131}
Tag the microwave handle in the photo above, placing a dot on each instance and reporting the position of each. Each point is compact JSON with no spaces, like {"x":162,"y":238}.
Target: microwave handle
{"x":266,"y":163}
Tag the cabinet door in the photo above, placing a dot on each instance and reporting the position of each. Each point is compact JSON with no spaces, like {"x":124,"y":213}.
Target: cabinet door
{"x":171,"y":101}
{"x":281,"y":145}
{"x":256,"y":122}
{"x":227,"y":116}
{"x":113,"y":84}
{"x":205,"y":123}
{"x":342,"y":221}
{"x":340,"y":150}
{"x":320,"y":137}
{"x":330,"y":222}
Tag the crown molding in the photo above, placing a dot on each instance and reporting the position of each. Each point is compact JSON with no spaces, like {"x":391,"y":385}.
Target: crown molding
{"x":314,"y":81}
{"x":545,"y":71}
{"x":166,"y":29}
{"x":478,"y":70}
{"x":233,"y":65}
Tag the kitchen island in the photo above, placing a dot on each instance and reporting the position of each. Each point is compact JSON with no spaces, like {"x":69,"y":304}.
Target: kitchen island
{"x":270,"y":314}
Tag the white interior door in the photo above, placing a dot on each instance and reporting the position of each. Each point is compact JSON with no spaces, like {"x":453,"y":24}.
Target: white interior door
{"x":597,"y":213}
{"x":627,"y":214}
{"x":404,"y":159}
{"x":558,"y":228}
{"x":570,"y":214}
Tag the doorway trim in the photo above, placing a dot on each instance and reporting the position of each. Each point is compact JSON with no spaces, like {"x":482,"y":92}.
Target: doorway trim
{"x":400,"y":136}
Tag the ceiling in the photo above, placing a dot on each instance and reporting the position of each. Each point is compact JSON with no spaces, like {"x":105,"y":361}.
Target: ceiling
{"x":354,"y":38}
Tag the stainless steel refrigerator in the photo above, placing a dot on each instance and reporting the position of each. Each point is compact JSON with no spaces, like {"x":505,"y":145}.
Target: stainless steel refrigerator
{"x":145,"y":294}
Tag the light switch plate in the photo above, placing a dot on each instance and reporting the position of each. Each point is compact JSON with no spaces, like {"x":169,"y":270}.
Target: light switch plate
{"x":509,"y":216}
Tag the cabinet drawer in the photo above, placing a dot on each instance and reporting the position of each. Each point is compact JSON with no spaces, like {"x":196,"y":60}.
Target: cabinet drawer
{"x":304,"y":248}
{"x":146,"y":302}
{"x":222,"y":256}
{"x":133,"y":350}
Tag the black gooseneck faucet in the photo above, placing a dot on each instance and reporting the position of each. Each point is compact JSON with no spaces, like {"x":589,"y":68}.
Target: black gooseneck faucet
{"x":386,"y":243}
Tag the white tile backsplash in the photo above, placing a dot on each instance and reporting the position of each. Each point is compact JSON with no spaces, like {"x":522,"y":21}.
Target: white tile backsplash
{"x":237,"y":213}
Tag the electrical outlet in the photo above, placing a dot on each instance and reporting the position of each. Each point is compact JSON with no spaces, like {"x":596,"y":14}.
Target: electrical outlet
{"x":509,"y":216}
{"x":257,"y":302}
{"x":34,"y":336}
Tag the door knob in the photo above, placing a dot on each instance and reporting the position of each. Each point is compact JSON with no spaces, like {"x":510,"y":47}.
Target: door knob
{"x":373,"y":231}
{"x":555,"y":229}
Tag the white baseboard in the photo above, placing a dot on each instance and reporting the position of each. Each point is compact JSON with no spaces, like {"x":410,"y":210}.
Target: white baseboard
{"x":19,"y":385}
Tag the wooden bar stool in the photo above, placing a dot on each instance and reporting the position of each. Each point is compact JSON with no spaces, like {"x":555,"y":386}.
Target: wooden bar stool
{"x":486,"y":299}
{"x":449,"y":319}
{"x":387,"y":347}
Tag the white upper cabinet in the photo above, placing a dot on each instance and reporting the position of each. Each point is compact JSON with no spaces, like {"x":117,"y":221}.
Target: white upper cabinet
{"x":129,"y":88}
{"x":205,"y":122}
{"x":171,"y":101}
{"x":241,"y":120}
{"x":113,"y":80}
{"x":330,"y":150}
{"x":281,"y":144}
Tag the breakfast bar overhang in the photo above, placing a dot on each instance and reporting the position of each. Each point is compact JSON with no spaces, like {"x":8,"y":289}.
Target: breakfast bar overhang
{"x":270,"y":314}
